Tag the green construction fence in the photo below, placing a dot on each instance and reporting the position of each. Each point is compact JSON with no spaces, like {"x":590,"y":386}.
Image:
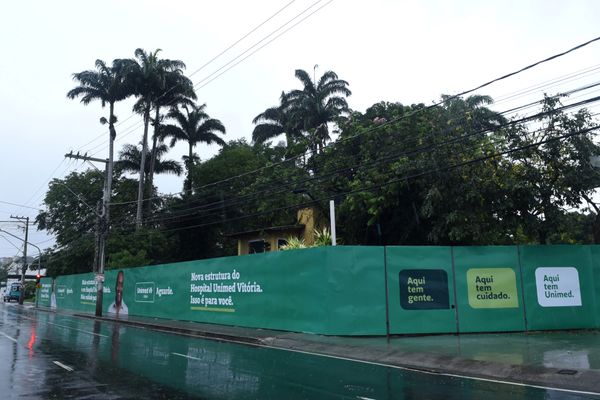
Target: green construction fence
{"x":354,"y":290}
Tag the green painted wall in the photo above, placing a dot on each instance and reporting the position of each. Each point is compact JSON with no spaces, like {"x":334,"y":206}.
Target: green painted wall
{"x":421,"y":290}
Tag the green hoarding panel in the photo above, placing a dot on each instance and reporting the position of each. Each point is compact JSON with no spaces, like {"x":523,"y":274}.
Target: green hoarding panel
{"x":330,"y":290}
{"x":559,"y":291}
{"x":488,"y":289}
{"x":76,"y":292}
{"x":420,"y":289}
{"x":45,"y":292}
{"x":595,"y":252}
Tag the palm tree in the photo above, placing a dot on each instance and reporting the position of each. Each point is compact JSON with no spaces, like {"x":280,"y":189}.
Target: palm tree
{"x":180,"y":91}
{"x":275,"y":121}
{"x":149,"y":77}
{"x":472,"y":112}
{"x":108,"y":85}
{"x":130,"y":158}
{"x":318,"y":104}
{"x":193,"y":126}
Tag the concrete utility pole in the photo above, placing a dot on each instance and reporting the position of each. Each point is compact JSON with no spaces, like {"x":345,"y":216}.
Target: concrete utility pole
{"x":24,"y":267}
{"x":102,"y":227}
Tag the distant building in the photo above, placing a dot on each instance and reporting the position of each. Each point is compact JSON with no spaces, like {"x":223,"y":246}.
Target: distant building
{"x":273,"y":238}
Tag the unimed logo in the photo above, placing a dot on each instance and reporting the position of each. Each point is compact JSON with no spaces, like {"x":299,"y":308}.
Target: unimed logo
{"x":144,"y":292}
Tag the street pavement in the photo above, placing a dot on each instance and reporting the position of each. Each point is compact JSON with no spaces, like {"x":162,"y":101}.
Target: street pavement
{"x":47,"y":355}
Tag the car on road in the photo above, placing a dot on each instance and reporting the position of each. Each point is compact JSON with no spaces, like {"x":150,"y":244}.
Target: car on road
{"x":13,"y":293}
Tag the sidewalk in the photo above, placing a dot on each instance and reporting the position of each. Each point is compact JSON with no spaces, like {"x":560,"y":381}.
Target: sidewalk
{"x":565,"y":360}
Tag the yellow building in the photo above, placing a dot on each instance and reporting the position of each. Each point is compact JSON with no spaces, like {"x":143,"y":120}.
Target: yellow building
{"x":273,"y":238}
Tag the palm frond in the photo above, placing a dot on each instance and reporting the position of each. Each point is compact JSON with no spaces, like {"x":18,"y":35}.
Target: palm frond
{"x":265,"y":132}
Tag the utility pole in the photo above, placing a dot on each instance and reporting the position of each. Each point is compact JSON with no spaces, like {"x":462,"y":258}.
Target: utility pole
{"x":102,"y":231}
{"x":24,"y":267}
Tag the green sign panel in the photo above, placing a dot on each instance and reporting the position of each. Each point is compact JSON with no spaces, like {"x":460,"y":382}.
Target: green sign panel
{"x":492,"y":288}
{"x":45,"y":292}
{"x":488,"y":289}
{"x":76,"y":292}
{"x":559,"y":287}
{"x":424,"y":289}
{"x":421,"y":289}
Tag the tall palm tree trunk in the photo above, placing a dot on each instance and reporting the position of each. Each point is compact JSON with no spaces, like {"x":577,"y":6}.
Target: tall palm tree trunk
{"x":138,"y":216}
{"x":150,"y":181}
{"x":190,"y":162}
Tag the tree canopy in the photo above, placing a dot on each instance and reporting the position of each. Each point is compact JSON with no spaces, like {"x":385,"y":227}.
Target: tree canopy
{"x":458,"y":173}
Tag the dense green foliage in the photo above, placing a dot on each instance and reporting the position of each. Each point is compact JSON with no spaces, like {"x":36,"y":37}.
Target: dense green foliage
{"x":457,"y":173}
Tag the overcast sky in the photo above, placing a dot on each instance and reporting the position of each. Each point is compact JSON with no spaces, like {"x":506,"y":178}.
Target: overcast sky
{"x":405,"y":51}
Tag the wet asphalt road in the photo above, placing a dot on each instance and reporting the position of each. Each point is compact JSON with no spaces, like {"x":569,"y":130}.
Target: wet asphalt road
{"x":52,"y":356}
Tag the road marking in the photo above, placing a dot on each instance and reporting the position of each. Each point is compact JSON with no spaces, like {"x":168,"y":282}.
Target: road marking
{"x":186,"y":356}
{"x":63,"y":366}
{"x":417,"y":370}
{"x":8,"y":337}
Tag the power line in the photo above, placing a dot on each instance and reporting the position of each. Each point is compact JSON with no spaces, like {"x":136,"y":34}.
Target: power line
{"x":246,"y":35}
{"x":401,"y":179}
{"x":19,"y":205}
{"x":260,"y":41}
{"x":251,"y":47}
{"x":432,"y":134}
{"x":405,"y":116}
{"x":220,"y":206}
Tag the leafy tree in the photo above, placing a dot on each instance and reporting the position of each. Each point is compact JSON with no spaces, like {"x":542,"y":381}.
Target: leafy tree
{"x":203,"y":221}
{"x":555,"y":175}
{"x":145,"y":246}
{"x":399,"y":164}
{"x":71,"y":216}
{"x":194,"y":126}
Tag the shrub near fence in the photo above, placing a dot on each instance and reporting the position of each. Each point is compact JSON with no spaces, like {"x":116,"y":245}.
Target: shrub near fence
{"x":342,"y":290}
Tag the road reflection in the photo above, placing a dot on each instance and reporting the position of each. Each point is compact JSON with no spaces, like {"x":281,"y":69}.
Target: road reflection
{"x":111,"y":360}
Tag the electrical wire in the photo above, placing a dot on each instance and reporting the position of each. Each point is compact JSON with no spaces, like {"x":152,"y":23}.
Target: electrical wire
{"x":410,"y":141}
{"x":387,"y":123}
{"x":261,"y":24}
{"x":220,"y":206}
{"x":397,"y":180}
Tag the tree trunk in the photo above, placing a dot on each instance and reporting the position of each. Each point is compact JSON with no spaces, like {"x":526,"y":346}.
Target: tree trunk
{"x":140,"y":200}
{"x":111,"y":151}
{"x":150,"y":183}
{"x":189,"y":187}
{"x":596,"y":229}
